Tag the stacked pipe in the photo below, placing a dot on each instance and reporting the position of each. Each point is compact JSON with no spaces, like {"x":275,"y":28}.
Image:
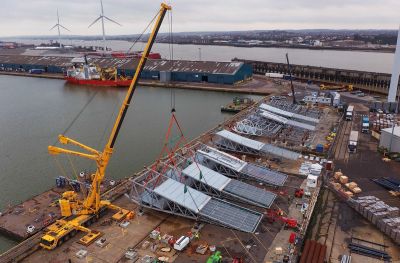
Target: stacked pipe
{"x":385,"y":217}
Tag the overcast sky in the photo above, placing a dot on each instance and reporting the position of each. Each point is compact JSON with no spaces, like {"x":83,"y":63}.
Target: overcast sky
{"x":36,"y":17}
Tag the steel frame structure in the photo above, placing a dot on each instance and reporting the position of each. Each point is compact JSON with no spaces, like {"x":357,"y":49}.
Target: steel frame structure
{"x":230,"y":172}
{"x":256,"y":125}
{"x":204,"y":186}
{"x":143,"y":194}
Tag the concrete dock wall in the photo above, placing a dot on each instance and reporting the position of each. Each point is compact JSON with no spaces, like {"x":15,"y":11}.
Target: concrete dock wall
{"x":369,"y":81}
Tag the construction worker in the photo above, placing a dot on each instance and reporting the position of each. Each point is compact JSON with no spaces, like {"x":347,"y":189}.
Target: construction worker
{"x":197,"y":235}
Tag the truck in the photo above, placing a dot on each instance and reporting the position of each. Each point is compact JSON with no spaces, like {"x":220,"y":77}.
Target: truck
{"x":365,"y":124}
{"x":349,"y":113}
{"x":274,"y":75}
{"x":36,"y":71}
{"x":353,"y":141}
{"x":335,"y":98}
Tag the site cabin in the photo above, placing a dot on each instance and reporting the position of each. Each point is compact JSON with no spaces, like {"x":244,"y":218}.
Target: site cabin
{"x":181,"y":243}
{"x":349,"y":113}
{"x":365,"y":124}
{"x":274,"y":75}
{"x":319,"y":100}
{"x":353,"y":141}
{"x":335,"y":98}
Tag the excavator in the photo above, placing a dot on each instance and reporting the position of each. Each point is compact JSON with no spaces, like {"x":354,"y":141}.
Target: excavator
{"x":79,"y":214}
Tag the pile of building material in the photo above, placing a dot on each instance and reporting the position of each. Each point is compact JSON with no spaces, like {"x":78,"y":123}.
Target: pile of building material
{"x":385,"y":217}
{"x":351,"y":187}
{"x":382,"y":121}
{"x":368,"y":250}
{"x":389,"y":183}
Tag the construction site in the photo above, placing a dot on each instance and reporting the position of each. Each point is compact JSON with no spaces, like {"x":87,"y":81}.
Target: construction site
{"x":307,"y":174}
{"x":243,"y":195}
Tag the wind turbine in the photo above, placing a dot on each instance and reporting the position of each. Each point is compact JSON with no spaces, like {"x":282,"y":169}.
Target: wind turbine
{"x":102,"y":17}
{"x":58,"y":25}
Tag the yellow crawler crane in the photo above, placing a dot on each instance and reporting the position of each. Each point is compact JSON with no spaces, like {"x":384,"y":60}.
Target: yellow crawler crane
{"x":81,"y":213}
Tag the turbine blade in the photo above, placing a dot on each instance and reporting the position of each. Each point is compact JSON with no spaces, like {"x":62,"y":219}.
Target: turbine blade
{"x":56,"y":25}
{"x":94,"y":22}
{"x":102,"y":10}
{"x":115,"y":22}
{"x":65,"y":28}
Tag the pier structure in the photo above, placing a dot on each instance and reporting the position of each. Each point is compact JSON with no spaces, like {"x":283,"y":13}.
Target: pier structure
{"x":364,"y":80}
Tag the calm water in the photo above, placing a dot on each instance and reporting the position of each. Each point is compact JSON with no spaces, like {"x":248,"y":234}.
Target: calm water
{"x":34,"y":111}
{"x":366,"y":61}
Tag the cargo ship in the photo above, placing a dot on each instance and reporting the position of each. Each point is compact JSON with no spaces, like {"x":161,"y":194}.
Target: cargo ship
{"x":93,"y":75}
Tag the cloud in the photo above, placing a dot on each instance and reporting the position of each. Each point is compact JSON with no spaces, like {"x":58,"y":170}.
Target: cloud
{"x":36,"y":17}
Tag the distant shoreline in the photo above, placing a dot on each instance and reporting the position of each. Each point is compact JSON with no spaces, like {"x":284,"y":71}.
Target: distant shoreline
{"x":377,"y":50}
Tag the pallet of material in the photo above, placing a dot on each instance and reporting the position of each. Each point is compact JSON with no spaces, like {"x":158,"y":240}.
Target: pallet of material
{"x":385,"y":217}
{"x":344,"y":179}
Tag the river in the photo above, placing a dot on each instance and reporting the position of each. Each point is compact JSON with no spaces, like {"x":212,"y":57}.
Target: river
{"x":355,"y":60}
{"x":34,"y":111}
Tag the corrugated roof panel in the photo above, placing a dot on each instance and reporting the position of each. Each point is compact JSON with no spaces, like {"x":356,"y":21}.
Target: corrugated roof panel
{"x":223,"y":158}
{"x":174,"y":191}
{"x":241,"y":140}
{"x":209,"y":177}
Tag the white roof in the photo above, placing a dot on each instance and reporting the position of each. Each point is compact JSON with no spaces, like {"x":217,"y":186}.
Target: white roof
{"x":271,"y":116}
{"x":241,"y":140}
{"x":312,"y":177}
{"x":396,"y":130}
{"x":267,"y":107}
{"x":174,"y":191}
{"x":283,"y":120}
{"x":288,"y":114}
{"x":224,"y":158}
{"x":209,"y":177}
{"x":301,"y":125}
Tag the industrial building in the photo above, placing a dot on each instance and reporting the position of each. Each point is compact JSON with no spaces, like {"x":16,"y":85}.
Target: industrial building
{"x":163,"y":70}
{"x":386,"y":139}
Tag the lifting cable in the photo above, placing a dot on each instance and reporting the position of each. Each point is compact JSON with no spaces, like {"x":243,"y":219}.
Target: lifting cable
{"x":59,"y":165}
{"x":142,"y":33}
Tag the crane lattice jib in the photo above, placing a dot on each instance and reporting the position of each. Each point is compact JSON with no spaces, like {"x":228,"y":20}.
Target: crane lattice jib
{"x":94,"y":195}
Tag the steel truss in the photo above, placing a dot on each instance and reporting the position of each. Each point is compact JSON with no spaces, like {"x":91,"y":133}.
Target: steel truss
{"x":256,"y":125}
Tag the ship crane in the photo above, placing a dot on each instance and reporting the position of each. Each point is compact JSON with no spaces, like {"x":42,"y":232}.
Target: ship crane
{"x":81,"y":213}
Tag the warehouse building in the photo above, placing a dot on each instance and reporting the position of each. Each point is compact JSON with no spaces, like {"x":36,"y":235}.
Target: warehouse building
{"x":386,"y":139}
{"x":163,"y":70}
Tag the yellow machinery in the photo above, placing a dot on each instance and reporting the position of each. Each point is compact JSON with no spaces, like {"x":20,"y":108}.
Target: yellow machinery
{"x":336,"y":88}
{"x":81,"y":213}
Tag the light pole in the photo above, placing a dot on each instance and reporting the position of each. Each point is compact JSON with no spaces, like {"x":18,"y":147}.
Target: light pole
{"x":199,"y":53}
{"x":394,"y":123}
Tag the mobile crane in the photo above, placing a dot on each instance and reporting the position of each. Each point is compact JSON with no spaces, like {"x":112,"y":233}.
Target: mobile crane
{"x":78,"y":214}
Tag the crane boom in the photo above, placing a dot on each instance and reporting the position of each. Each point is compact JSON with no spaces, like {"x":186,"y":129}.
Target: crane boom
{"x":139,"y":69}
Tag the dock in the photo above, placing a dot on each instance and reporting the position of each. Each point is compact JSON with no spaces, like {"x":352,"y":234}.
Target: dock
{"x":368,"y":81}
{"x":272,"y":170}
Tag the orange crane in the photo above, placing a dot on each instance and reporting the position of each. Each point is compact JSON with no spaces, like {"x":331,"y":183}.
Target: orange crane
{"x":81,"y":213}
